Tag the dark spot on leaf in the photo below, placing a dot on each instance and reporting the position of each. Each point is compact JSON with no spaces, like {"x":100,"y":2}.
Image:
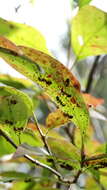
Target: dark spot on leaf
{"x":11,"y":26}
{"x":68,"y":115}
{"x":13,"y":102}
{"x":18,"y":129}
{"x":68,"y":167}
{"x":78,"y":105}
{"x":44,"y":61}
{"x":14,"y":53}
{"x":76,"y":85}
{"x":59,"y":101}
{"x":44,"y":80}
{"x":73,"y":100}
{"x":49,"y":76}
{"x":8,"y":122}
{"x":64,"y":93}
{"x":67,"y":82}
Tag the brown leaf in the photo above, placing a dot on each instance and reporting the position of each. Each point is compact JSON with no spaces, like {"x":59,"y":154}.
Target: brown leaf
{"x":56,"y":119}
{"x":91,"y":100}
{"x":7,"y":44}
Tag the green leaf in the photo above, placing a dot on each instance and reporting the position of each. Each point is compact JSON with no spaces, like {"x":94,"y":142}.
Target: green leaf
{"x":58,"y":82}
{"x":22,"y":34}
{"x":18,"y":83}
{"x":13,"y":176}
{"x":33,"y":185}
{"x":91,"y":184}
{"x":103,"y":177}
{"x":89,"y":32}
{"x":6,"y":147}
{"x":15,"y":108}
{"x":65,"y":151}
{"x":83,"y":2}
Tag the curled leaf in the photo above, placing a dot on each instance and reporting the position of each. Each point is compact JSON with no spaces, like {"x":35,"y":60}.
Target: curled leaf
{"x":58,"y":82}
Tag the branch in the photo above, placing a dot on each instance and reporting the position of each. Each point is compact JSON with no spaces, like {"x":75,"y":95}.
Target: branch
{"x":91,"y":74}
{"x":43,"y":137}
{"x":36,"y":162}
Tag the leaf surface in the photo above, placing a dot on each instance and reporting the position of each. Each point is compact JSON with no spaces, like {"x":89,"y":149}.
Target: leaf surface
{"x":89,"y":32}
{"x":13,"y":176}
{"x":15,"y":108}
{"x":56,"y":119}
{"x":22,"y":34}
{"x":18,"y":83}
{"x":65,"y":151}
{"x":58,"y":82}
{"x":83,"y":2}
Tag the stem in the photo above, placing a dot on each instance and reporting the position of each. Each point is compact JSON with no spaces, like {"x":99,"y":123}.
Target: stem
{"x":70,"y":132}
{"x":82,"y":151}
{"x":43,"y":137}
{"x":36,"y":162}
{"x":2,"y":133}
{"x":91,"y":74}
{"x":30,"y":158}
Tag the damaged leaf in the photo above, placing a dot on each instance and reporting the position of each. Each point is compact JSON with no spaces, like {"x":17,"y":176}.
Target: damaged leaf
{"x":15,"y":108}
{"x":58,"y":82}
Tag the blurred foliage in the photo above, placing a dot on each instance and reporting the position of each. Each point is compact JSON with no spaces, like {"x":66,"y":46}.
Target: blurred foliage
{"x":46,"y":119}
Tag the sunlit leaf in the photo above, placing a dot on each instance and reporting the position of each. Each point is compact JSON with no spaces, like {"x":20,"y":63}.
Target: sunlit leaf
{"x":90,"y":144}
{"x":18,"y":83}
{"x":15,"y":108}
{"x":89,"y":32}
{"x":33,"y":185}
{"x":6,"y":147}
{"x":56,"y":119}
{"x":83,"y":2}
{"x":102,"y":148}
{"x":22,"y":34}
{"x":58,"y":82}
{"x":91,"y":184}
{"x":65,"y":151}
{"x":103,"y":177}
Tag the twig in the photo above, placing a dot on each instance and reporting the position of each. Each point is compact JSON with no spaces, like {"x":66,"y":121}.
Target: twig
{"x":36,"y":162}
{"x":91,"y":74}
{"x":70,"y":132}
{"x":43,"y":137}
{"x":2,"y":133}
{"x":77,"y":176}
{"x":82,"y":151}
